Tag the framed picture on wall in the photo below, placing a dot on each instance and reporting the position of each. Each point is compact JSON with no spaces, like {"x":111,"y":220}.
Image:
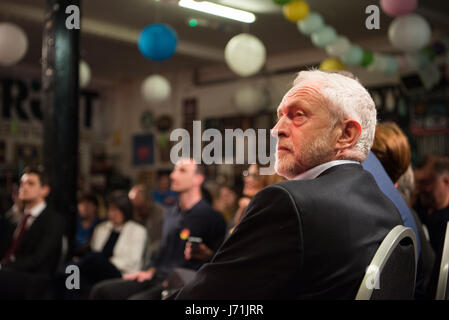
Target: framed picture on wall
{"x":143,"y":149}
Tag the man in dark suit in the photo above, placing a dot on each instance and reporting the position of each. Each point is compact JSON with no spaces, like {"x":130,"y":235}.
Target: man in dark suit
{"x":311,"y":237}
{"x":31,"y":246}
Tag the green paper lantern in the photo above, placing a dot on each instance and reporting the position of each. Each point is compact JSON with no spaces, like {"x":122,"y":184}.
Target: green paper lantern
{"x":281,"y":2}
{"x":367,"y":58}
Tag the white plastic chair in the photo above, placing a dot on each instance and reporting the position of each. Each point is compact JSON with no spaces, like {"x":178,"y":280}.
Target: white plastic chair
{"x":402,"y":284}
{"x":443,"y":288}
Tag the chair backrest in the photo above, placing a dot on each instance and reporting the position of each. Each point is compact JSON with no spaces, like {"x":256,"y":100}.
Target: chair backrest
{"x":391,"y":274}
{"x":443,"y":287}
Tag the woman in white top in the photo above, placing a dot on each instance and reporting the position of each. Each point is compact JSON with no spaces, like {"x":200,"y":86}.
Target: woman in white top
{"x":117,"y":244}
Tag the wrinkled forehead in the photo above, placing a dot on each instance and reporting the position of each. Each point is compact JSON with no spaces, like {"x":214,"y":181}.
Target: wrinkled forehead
{"x":304,"y":92}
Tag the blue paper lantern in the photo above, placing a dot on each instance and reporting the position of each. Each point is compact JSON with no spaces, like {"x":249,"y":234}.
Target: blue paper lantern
{"x":158,"y":42}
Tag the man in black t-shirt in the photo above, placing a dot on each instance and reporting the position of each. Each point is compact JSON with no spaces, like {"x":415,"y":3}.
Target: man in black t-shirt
{"x":190,"y":217}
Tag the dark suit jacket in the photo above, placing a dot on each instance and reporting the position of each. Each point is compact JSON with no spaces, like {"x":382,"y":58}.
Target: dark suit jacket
{"x":308,"y":239}
{"x":40,"y":248}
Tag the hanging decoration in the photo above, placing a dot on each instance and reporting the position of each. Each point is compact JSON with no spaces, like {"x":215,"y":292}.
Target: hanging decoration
{"x":395,"y":8}
{"x":408,"y":32}
{"x":332,"y":65}
{"x":155,"y":88}
{"x":158,"y":42}
{"x":13,"y":44}
{"x":245,"y":54}
{"x":295,"y":10}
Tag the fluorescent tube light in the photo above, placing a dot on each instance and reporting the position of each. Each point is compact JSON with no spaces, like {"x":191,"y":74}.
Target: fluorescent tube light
{"x":218,"y":10}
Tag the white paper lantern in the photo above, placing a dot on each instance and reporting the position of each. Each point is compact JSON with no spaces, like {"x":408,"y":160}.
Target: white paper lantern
{"x":84,"y":74}
{"x":13,"y":44}
{"x":409,"y":33}
{"x":339,"y":47}
{"x":251,"y":98}
{"x":245,"y":54}
{"x":155,"y":88}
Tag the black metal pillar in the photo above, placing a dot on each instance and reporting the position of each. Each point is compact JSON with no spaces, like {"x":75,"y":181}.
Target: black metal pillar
{"x":60,"y":100}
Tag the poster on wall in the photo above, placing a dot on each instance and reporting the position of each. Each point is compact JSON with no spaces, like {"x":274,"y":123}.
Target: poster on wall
{"x":143,"y":149}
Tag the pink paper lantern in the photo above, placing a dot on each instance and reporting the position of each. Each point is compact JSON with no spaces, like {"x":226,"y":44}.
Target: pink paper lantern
{"x":395,"y":8}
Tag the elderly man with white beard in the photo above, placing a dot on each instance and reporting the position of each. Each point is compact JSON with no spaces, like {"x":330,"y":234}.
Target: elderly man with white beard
{"x":313,"y":236}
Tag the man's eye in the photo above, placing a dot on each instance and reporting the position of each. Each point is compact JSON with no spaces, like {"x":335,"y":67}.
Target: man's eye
{"x":299,"y":114}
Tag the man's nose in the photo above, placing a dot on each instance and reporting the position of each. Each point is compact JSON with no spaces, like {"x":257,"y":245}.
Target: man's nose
{"x":280,"y":129}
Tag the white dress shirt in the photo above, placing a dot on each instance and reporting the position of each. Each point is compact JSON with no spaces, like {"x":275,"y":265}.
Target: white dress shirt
{"x":35,"y":212}
{"x":316,"y":171}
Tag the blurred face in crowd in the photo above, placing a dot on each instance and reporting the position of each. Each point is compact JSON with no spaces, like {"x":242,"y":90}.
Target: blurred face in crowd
{"x":184,"y":176}
{"x":86,"y":209}
{"x":137,"y":197}
{"x":304,"y":131}
{"x":228,"y":196}
{"x":434,"y":190}
{"x":31,"y":191}
{"x":115,"y":215}
{"x":252,"y":181}
{"x":164,"y":182}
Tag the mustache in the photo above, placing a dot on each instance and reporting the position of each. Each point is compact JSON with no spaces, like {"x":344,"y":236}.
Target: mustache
{"x":284,"y":144}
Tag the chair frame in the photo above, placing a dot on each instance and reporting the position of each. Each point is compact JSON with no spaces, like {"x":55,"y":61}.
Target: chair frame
{"x":444,"y":269}
{"x":383,"y":253}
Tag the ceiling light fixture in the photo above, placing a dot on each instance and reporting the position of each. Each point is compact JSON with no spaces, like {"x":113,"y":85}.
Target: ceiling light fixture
{"x":218,"y":10}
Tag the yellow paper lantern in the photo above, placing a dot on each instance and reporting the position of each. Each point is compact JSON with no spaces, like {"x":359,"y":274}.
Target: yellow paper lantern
{"x":296,"y":10}
{"x":332,"y":65}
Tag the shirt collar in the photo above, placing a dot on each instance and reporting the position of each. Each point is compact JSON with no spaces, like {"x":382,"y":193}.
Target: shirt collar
{"x":316,"y":171}
{"x":37,"y":210}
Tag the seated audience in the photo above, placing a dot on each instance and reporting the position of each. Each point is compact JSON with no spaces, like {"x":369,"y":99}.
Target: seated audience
{"x":86,"y":223}
{"x":226,"y":202}
{"x":433,"y":200}
{"x":30,"y":247}
{"x":117,"y":245}
{"x":150,"y":214}
{"x":191,"y":217}
{"x":393,"y":150}
{"x":163,"y":194}
{"x":253,"y":182}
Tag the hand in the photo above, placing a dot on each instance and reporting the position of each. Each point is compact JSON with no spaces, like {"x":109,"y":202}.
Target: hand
{"x":141,"y":276}
{"x":244,"y":202}
{"x":200,"y":252}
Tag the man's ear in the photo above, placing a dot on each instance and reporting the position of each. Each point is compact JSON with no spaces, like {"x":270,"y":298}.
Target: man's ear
{"x":446,"y":179}
{"x":45,"y":191}
{"x":349,"y":134}
{"x":200,"y":178}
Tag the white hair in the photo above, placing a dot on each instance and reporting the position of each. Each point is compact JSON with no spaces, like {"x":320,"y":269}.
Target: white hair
{"x":346,"y":99}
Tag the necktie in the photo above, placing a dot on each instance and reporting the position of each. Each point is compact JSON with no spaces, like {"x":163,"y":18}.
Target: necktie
{"x":15,"y":244}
